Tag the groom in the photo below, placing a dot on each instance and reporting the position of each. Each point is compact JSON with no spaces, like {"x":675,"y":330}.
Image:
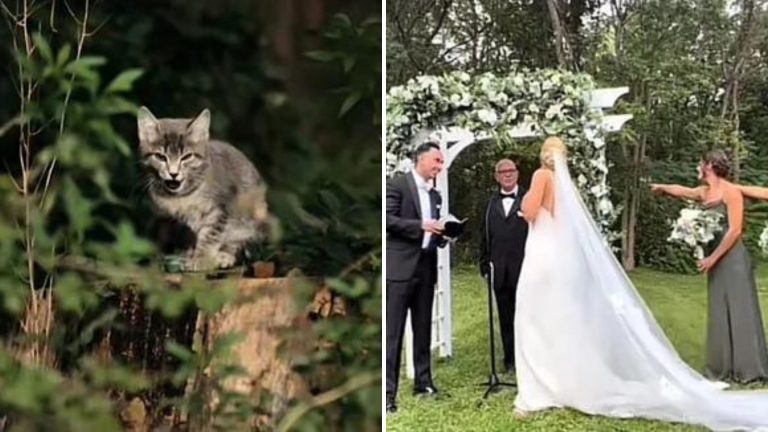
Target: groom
{"x":413,"y":235}
{"x":502,"y":242}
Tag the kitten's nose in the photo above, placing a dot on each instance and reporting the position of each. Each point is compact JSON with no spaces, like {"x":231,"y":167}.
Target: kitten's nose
{"x":173,"y":175}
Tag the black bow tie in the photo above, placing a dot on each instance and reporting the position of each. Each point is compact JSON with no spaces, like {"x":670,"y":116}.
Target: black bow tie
{"x":502,"y":195}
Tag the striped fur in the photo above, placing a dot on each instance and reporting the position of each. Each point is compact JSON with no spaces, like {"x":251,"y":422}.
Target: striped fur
{"x":206,"y":184}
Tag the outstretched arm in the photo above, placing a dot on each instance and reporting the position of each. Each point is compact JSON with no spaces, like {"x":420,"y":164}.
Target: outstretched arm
{"x":755,"y":192}
{"x":532,"y":201}
{"x":678,"y":191}
{"x":734,"y":201}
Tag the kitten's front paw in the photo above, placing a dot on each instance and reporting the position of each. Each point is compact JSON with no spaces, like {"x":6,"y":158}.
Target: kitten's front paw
{"x":224,"y":260}
{"x":217,"y":260}
{"x":192,"y":264}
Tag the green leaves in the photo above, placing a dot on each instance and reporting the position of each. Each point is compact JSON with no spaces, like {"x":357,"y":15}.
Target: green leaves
{"x":42,"y":399}
{"x":84,"y":71}
{"x":322,"y":56}
{"x":355,"y":49}
{"x":74,"y":295}
{"x":43,"y":47}
{"x":79,"y":209}
{"x":114,"y":376}
{"x":124,"y":81}
{"x":128,"y":245}
{"x":352,"y":99}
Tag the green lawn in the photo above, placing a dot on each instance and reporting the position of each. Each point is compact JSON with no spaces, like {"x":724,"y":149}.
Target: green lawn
{"x":679,"y":303}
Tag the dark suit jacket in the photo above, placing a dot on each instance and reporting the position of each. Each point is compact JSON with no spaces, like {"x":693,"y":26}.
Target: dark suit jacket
{"x":404,"y":232}
{"x":502,"y":238}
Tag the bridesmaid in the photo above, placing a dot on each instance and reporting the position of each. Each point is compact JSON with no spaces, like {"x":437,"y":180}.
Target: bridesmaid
{"x":736,"y":349}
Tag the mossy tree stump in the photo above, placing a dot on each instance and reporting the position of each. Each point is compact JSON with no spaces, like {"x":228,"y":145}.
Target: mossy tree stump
{"x":273,"y":332}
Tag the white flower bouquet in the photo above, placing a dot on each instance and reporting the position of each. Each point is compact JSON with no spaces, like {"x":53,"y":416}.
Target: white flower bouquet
{"x":695,"y":228}
{"x":763,"y":242}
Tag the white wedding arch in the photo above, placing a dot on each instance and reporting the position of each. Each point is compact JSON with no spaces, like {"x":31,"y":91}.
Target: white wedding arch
{"x":457,"y":110}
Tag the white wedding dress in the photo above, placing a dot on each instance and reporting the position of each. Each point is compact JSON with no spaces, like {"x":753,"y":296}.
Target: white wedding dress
{"x":586,"y":340}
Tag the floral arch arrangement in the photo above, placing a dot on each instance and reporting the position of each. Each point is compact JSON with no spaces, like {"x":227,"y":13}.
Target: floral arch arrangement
{"x":526,"y":103}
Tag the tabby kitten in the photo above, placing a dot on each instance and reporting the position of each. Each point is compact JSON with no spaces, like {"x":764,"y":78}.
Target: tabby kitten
{"x":208,"y":185}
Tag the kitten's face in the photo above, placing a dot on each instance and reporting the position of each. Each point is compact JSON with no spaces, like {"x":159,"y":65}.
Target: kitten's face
{"x":173,"y":152}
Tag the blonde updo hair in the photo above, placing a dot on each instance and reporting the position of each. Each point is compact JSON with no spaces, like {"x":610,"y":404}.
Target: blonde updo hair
{"x":552,"y":146}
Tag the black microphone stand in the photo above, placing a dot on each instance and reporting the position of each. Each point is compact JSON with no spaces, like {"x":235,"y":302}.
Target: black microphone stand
{"x":494,"y":383}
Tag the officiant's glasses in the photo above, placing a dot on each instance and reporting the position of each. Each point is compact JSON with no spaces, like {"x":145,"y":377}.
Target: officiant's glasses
{"x":509,"y":171}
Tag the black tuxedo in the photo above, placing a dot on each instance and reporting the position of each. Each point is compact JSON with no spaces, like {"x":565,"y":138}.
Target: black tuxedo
{"x":411,"y":277}
{"x":503,"y":243}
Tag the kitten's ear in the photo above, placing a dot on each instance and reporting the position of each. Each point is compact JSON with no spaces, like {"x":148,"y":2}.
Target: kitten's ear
{"x":149,"y":127}
{"x":199,"y":128}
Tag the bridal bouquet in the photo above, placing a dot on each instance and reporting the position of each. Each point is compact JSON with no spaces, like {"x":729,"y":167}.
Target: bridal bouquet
{"x":695,"y":228}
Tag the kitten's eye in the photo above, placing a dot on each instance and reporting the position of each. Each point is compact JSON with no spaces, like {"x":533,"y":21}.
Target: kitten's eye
{"x":160,"y":156}
{"x":187,"y":157}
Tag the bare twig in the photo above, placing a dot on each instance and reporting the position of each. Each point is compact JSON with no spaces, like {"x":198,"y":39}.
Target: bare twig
{"x":358,"y":264}
{"x":18,"y":120}
{"x":564,"y":54}
{"x":39,"y":314}
{"x":80,"y":43}
{"x":51,"y":20}
{"x":71,"y":12}
{"x":354,"y":384}
{"x":8,"y":12}
{"x":443,"y":13}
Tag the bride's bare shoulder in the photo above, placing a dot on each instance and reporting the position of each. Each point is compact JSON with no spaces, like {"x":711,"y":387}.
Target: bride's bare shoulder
{"x":544,"y":174}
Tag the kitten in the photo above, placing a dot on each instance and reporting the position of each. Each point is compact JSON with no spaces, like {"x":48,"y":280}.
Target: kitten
{"x":208,"y":185}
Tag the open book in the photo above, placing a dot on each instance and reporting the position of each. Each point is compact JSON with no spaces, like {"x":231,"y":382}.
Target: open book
{"x":452,"y":227}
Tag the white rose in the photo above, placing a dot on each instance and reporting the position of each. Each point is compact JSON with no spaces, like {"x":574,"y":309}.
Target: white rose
{"x":598,"y":143}
{"x":552,"y":111}
{"x":605,"y":206}
{"x":501,"y":98}
{"x":487,"y":116}
{"x":404,"y":165}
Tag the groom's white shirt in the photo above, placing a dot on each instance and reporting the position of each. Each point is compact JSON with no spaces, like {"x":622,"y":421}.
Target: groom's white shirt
{"x":423,"y":187}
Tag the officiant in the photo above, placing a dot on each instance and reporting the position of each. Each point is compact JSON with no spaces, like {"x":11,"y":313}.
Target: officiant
{"x":503,"y":234}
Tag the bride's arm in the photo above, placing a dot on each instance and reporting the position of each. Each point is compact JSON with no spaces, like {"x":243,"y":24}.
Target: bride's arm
{"x":734,"y":202}
{"x":532,"y":200}
{"x":756,"y":192}
{"x":678,"y":191}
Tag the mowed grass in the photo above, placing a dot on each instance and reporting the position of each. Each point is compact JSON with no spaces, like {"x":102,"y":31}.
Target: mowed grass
{"x":679,"y":303}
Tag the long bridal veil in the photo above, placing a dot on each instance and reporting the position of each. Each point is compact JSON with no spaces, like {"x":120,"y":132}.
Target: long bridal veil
{"x":628,"y":366}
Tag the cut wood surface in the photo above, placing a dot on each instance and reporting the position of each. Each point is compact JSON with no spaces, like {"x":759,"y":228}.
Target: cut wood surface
{"x":274,"y":332}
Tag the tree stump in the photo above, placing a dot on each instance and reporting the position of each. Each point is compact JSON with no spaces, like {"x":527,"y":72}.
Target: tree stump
{"x":274,"y":331}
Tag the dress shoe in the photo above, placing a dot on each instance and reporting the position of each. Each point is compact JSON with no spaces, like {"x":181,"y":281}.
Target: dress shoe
{"x":510,"y":369}
{"x":426,"y":391}
{"x":391,"y":406}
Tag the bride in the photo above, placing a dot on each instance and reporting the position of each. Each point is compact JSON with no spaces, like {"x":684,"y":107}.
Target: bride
{"x":586,"y":340}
